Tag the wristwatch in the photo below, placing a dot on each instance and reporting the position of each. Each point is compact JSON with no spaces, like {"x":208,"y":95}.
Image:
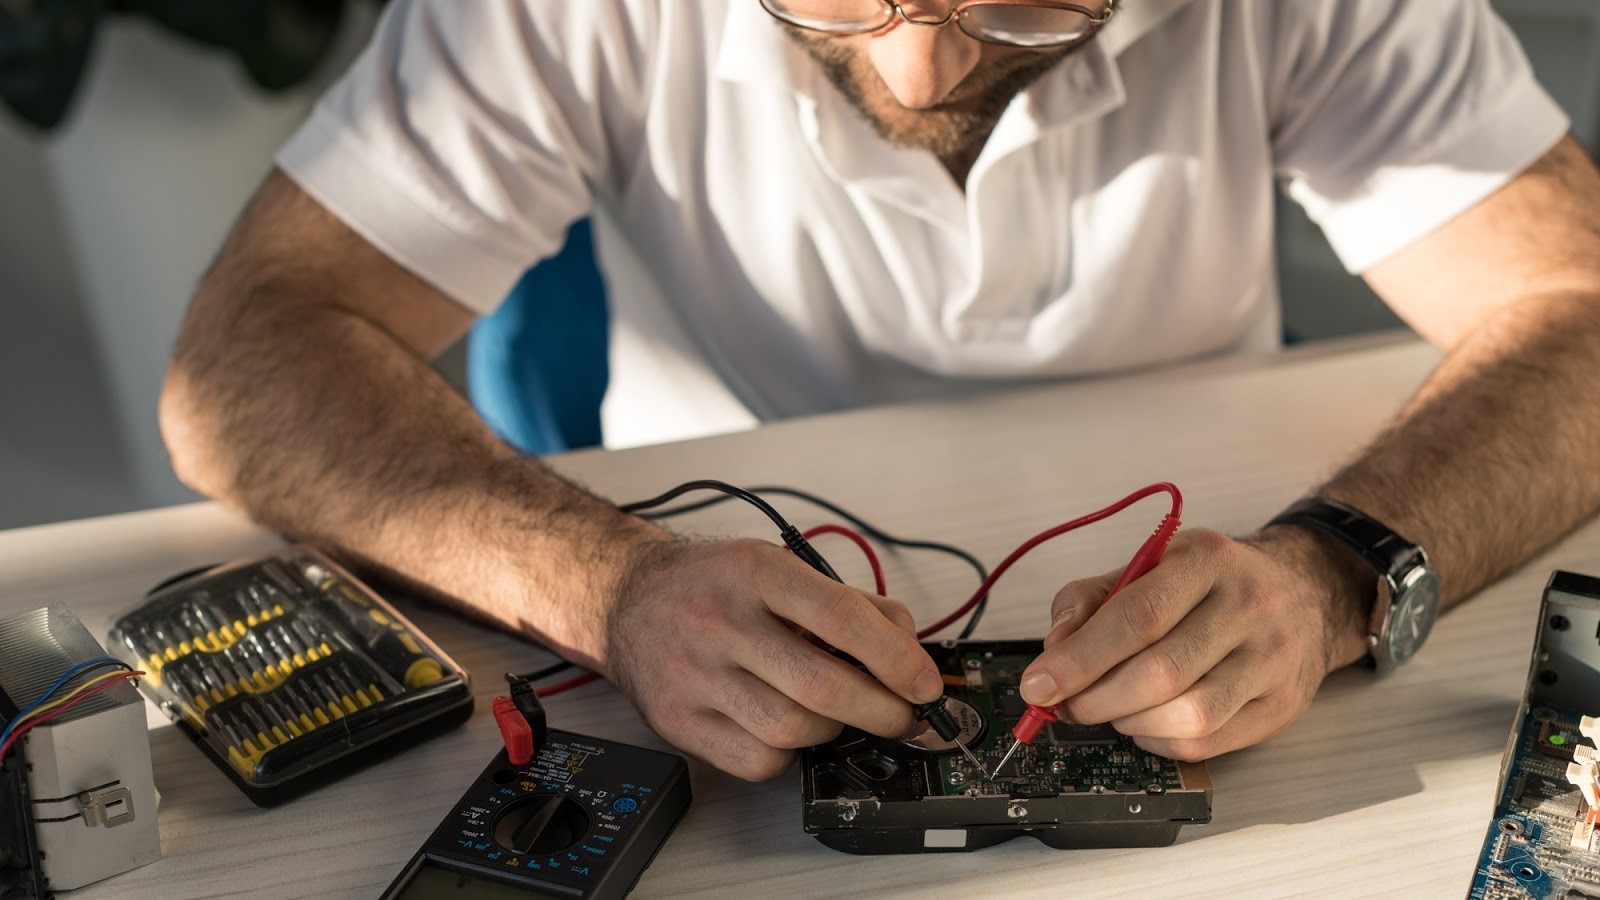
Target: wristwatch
{"x":1408,"y":587}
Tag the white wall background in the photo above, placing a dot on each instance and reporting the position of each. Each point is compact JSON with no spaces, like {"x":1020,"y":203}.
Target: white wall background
{"x":105,"y":228}
{"x":107,"y":224}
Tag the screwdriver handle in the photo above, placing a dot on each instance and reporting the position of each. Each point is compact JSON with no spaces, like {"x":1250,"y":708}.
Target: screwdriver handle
{"x":387,"y":641}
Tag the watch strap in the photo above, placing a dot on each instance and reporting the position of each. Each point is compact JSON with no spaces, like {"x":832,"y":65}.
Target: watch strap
{"x":1377,"y":543}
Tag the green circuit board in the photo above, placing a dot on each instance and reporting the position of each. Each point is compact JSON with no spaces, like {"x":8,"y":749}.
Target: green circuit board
{"x":1066,"y":758}
{"x":1543,"y":841}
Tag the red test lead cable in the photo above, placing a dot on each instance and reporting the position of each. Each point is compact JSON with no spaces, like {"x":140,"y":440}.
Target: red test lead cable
{"x":1034,"y":718}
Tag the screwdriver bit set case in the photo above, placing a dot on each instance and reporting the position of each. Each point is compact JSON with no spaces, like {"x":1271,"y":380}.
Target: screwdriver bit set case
{"x":288,"y":671}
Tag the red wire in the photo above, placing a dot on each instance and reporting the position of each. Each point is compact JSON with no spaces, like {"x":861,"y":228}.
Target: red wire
{"x":881,"y":586}
{"x":877,"y":567}
{"x":26,"y":726}
{"x":567,"y":685}
{"x":1036,"y":540}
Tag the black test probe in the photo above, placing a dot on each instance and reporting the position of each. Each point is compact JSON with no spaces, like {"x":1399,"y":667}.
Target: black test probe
{"x":937,"y":714}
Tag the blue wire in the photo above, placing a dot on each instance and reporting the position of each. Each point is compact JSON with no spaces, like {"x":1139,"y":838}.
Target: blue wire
{"x":45,"y":697}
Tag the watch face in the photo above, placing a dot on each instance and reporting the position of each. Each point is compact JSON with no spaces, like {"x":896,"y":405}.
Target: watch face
{"x":1415,"y":607}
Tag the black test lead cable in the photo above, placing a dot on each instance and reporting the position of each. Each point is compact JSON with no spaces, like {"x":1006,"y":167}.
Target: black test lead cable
{"x":862,"y":526}
{"x":792,"y":538}
{"x":545,"y":672}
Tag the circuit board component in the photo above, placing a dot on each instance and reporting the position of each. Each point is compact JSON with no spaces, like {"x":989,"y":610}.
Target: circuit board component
{"x":1543,"y":841}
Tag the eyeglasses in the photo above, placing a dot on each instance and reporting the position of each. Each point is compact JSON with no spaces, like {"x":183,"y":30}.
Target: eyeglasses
{"x":1030,"y":23}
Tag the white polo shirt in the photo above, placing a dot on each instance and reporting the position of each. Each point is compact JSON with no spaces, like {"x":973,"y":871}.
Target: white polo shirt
{"x":767,"y":255}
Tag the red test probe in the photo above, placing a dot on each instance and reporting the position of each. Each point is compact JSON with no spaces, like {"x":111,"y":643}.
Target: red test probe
{"x":1034,"y":718}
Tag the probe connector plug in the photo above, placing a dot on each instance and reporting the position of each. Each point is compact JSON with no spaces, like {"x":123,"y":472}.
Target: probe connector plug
{"x":522,"y":722}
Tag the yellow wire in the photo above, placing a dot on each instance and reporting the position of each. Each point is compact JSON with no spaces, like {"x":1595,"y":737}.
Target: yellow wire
{"x":76,"y":691}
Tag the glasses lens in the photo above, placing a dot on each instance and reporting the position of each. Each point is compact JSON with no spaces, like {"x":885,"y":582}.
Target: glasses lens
{"x":1025,"y":26}
{"x":837,"y":16}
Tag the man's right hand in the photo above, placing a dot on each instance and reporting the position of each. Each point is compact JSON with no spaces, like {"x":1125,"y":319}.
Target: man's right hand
{"x":300,"y":394}
{"x":710,"y":641}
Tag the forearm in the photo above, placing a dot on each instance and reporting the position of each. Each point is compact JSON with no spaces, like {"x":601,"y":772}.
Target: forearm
{"x":319,"y":424}
{"x":1495,"y":457}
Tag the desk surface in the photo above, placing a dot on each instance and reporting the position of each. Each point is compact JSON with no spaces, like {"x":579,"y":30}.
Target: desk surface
{"x":1380,"y":790}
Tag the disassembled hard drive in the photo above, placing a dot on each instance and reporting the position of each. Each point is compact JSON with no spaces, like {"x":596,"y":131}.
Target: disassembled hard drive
{"x":1076,"y":786}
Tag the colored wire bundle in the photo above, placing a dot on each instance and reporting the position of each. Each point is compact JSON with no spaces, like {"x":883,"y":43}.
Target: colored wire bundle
{"x":48,"y":705}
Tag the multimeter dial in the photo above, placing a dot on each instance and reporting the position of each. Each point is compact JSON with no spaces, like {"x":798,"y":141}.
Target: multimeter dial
{"x":541,"y":824}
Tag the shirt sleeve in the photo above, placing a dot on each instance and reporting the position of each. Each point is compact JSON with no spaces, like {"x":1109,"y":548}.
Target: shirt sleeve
{"x":1392,"y":117}
{"x":468,"y":136}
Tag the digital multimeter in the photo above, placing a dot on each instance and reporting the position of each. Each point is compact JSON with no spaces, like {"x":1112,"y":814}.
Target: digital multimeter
{"x":582,"y":819}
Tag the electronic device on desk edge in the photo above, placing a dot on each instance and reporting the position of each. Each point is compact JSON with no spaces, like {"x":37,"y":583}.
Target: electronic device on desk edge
{"x":1078,"y":786}
{"x":288,"y":671}
{"x":77,"y":795}
{"x":1542,"y":841}
{"x":582,"y":818}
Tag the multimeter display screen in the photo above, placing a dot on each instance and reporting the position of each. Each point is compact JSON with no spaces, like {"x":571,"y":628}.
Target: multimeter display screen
{"x":432,"y":881}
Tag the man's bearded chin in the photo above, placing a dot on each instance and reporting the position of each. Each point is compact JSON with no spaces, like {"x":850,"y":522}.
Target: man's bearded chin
{"x":942,"y":130}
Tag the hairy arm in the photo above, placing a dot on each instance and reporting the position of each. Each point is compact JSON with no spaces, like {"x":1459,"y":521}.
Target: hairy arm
{"x":1495,"y":457}
{"x":300,"y":393}
{"x":1225,"y":642}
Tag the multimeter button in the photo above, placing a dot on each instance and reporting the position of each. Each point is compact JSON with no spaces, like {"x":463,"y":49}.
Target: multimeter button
{"x":541,"y":824}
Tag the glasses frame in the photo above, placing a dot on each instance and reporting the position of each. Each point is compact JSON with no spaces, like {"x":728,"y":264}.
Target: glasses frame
{"x":958,"y":13}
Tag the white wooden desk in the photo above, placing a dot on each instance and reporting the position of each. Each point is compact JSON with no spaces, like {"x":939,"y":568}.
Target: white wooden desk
{"x":1382,"y":789}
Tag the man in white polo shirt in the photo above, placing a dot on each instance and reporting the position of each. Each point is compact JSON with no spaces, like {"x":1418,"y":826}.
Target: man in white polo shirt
{"x":810,"y":205}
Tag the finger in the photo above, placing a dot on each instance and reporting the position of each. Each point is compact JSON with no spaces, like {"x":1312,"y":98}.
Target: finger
{"x":774,"y":719}
{"x":821,"y":682}
{"x":1257,"y":721}
{"x":896,"y":612}
{"x":1201,"y":711}
{"x":1165,"y":670}
{"x":715,"y":738}
{"x":1075,"y":603}
{"x":847,"y":620}
{"x":1135,"y":618}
